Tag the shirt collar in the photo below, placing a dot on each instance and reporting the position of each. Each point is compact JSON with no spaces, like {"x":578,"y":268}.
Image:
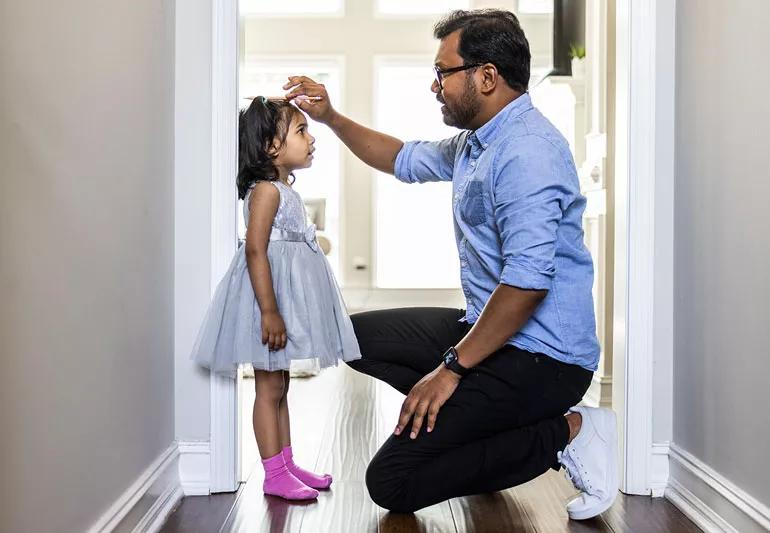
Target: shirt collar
{"x":486,"y":133}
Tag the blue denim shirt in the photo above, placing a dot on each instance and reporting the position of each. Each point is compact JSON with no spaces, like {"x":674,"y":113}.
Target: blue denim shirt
{"x":518,"y":221}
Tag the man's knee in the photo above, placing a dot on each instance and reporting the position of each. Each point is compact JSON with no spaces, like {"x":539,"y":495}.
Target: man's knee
{"x":386,"y":489}
{"x":356,"y":364}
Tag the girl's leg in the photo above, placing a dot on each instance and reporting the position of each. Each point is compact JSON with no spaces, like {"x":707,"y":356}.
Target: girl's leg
{"x":269,"y":388}
{"x":284,"y":428}
{"x":279,"y":481}
{"x":308,"y":478}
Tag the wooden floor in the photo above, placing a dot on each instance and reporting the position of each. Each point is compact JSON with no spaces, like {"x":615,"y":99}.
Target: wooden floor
{"x":338,"y":420}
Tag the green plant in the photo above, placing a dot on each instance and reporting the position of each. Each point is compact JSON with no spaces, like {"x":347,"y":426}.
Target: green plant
{"x":577,"y":51}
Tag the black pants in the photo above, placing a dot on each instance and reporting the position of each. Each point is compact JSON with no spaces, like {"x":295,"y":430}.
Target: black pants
{"x":502,"y":426}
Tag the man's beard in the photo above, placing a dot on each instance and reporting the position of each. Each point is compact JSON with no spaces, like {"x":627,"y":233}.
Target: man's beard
{"x":461,"y":114}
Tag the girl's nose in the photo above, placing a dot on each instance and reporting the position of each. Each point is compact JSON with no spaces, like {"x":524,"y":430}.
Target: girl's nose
{"x":312,"y":140}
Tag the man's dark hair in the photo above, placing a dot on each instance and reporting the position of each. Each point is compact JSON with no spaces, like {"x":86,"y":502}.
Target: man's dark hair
{"x":490,"y":36}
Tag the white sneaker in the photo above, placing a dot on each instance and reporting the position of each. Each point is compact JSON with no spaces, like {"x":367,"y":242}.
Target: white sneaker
{"x":591,"y":463}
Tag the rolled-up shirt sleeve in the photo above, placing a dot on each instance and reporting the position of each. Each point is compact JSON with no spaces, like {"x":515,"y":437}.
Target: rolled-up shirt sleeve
{"x":421,"y":161}
{"x":529,"y":195}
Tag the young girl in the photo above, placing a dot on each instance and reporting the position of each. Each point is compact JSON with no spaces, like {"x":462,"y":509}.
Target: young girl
{"x":279,"y":300}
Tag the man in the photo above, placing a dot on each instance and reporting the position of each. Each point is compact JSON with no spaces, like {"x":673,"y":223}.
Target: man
{"x":488,"y":414}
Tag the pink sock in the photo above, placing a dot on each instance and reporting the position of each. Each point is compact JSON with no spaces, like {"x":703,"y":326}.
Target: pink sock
{"x":280,"y":482}
{"x":308,"y":478}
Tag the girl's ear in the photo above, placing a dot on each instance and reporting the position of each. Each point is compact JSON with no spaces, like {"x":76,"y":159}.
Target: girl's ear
{"x":274,"y":149}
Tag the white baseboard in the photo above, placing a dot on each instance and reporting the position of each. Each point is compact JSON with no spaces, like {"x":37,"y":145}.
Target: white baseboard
{"x":195,"y":467}
{"x":659,"y":468}
{"x":159,"y":483}
{"x":710,"y":500}
{"x":160,"y":510}
{"x":599,"y":393}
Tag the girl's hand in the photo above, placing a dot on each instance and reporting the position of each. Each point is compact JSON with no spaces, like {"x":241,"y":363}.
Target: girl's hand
{"x":273,"y":330}
{"x":316,"y":104}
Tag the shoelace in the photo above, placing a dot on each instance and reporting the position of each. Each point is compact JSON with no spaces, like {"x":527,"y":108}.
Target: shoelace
{"x":572,"y":470}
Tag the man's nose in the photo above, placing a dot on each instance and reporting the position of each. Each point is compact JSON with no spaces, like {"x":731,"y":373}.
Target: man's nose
{"x":434,"y":87}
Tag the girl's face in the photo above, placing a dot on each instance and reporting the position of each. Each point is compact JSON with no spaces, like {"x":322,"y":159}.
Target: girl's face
{"x":297,"y":150}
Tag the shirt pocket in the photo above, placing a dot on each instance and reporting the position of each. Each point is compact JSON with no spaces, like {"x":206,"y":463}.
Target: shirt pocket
{"x":472,"y":208}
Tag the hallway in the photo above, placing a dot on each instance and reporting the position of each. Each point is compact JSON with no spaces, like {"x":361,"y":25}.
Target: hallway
{"x":343,"y":433}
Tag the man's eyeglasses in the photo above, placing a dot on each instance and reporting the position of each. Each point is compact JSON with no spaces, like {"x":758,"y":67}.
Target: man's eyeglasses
{"x":442,"y":73}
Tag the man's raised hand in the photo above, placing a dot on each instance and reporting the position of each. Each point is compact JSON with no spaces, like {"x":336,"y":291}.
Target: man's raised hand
{"x":310,"y":97}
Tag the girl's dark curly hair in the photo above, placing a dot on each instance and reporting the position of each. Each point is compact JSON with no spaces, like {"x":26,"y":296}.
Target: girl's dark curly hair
{"x":259,"y":126}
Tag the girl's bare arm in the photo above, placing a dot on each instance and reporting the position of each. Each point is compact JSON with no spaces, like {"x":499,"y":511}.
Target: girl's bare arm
{"x":263,"y":205}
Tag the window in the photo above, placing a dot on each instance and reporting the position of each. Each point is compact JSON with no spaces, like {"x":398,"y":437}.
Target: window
{"x":535,"y":7}
{"x":419,"y":7}
{"x":303,"y":8}
{"x":415,"y":246}
{"x":557,"y":103}
{"x":266,"y":76}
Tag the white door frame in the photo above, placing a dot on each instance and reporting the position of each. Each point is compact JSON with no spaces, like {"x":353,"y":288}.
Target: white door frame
{"x":644,"y":173}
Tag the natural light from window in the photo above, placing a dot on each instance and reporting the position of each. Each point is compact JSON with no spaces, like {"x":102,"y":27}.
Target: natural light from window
{"x":301,"y":8}
{"x":266,"y":76}
{"x":419,"y":7}
{"x":415,"y":246}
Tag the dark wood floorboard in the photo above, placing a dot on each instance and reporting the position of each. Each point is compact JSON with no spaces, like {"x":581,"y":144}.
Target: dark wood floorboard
{"x":359,"y":413}
{"x":544,"y":499}
{"x":201,"y":513}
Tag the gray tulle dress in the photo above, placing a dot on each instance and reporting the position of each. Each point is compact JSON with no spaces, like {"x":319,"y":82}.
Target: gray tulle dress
{"x":308,"y":297}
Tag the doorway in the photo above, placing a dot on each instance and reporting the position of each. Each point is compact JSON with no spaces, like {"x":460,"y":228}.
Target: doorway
{"x":630,"y":327}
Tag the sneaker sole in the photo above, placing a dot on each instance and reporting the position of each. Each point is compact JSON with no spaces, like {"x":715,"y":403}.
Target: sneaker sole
{"x":592,"y":512}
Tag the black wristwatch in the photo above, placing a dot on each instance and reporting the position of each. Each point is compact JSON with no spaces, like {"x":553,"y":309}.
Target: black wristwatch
{"x":452,"y":363}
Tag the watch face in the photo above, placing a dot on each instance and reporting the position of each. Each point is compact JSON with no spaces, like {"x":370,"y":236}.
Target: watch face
{"x":449,"y":357}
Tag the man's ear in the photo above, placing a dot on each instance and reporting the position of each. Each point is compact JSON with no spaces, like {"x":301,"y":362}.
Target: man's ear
{"x":490,"y":77}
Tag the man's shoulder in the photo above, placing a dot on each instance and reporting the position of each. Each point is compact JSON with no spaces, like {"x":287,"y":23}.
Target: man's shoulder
{"x":531,"y":133}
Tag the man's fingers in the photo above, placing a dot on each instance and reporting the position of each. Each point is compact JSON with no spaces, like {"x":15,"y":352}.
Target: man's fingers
{"x":419,"y":415}
{"x":432,"y":414}
{"x":312,"y":91}
{"x":407,"y":408}
{"x":265,"y":336}
{"x":296,"y":80}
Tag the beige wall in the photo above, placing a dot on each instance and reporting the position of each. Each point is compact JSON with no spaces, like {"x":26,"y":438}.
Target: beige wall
{"x":86,"y":255}
{"x":722,"y":239}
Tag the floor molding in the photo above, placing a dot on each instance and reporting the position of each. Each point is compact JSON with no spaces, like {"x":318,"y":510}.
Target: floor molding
{"x":710,"y":500}
{"x":195,"y":467}
{"x":160,"y":482}
{"x":599,"y":393}
{"x":659,"y":468}
{"x":153,"y":521}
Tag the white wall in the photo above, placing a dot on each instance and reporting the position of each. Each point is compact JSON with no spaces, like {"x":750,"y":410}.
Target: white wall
{"x":192,"y":217}
{"x":722,"y":239}
{"x":86,"y":260}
